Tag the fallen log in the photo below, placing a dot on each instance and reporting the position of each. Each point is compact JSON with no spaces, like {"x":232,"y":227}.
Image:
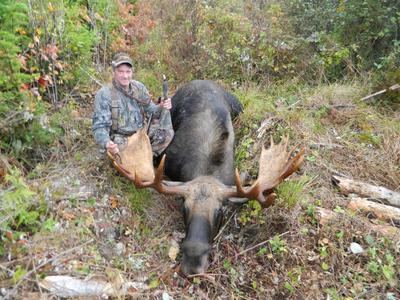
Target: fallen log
{"x":380,"y":211}
{"x":67,"y":287}
{"x":348,"y":186}
{"x":324,"y":216}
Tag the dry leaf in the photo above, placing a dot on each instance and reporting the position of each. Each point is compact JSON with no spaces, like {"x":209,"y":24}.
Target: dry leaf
{"x":113,"y":201}
{"x":68,"y":216}
{"x":173,"y":250}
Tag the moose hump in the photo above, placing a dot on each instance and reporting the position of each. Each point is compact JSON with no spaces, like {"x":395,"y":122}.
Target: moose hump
{"x":137,"y":157}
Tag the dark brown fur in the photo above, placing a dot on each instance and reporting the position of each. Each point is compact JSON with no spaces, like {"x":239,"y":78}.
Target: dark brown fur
{"x":202,"y":152}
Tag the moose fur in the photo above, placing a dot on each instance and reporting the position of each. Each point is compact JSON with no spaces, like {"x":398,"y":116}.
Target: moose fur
{"x":204,"y":139}
{"x":203,"y":151}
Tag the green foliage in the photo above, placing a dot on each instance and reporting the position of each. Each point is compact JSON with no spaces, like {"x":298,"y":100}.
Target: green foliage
{"x":252,"y":213}
{"x":347,"y":36}
{"x":256,"y":104}
{"x":369,"y":139}
{"x":19,"y":111}
{"x":242,"y":151}
{"x":13,"y":24}
{"x":18,"y":273}
{"x":225,"y":36}
{"x":278,"y":245}
{"x":138,"y":199}
{"x":46,"y":50}
{"x":291,"y":191}
{"x":49,"y":224}
{"x":20,"y":209}
{"x":294,"y":279}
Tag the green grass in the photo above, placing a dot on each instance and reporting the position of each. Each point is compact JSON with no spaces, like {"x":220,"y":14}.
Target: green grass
{"x":138,"y":199}
{"x":291,"y":191}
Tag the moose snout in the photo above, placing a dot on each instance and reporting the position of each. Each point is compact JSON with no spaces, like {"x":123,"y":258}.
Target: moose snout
{"x":195,"y":257}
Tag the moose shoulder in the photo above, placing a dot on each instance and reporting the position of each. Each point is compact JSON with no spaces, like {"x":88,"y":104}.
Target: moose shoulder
{"x":201,"y":159}
{"x":203,"y":145}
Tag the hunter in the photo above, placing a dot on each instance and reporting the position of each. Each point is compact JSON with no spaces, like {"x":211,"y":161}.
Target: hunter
{"x":124,"y":106}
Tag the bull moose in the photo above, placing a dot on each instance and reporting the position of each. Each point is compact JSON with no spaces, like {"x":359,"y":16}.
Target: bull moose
{"x":200,"y":165}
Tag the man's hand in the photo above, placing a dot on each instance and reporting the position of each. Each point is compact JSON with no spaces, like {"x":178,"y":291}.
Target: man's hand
{"x":166,"y":103}
{"x":112,"y":147}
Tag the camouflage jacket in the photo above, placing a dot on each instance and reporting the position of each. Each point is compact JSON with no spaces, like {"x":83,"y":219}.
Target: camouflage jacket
{"x":130,"y":117}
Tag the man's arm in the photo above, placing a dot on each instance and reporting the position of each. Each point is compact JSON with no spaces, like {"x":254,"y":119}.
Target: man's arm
{"x":151,"y":107}
{"x":102,"y":118}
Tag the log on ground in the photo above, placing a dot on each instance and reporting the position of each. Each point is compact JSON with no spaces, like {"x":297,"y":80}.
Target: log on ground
{"x":348,"y":186}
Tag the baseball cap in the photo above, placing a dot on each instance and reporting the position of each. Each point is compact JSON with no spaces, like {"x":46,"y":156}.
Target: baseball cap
{"x":121,"y":58}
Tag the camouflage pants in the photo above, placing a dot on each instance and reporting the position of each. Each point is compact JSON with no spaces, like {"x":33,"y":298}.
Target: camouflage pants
{"x":160,"y":134}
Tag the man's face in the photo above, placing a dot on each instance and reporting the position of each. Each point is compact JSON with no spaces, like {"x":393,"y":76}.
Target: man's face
{"x":123,"y":75}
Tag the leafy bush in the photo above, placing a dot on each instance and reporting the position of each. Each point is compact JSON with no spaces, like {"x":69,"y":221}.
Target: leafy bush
{"x":19,"y":207}
{"x":348,"y":37}
{"x":46,"y":53}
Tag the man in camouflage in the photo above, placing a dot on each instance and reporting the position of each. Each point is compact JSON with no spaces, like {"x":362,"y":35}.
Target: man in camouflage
{"x":122,"y":107}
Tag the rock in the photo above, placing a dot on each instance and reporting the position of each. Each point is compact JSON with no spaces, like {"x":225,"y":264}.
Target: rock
{"x":356,"y":248}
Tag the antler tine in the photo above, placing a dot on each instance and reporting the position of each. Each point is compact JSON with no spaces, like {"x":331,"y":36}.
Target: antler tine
{"x":161,"y":187}
{"x":239,"y":187}
{"x":120,"y":168}
{"x":293,"y":164}
{"x":158,"y":185}
{"x":239,"y":192}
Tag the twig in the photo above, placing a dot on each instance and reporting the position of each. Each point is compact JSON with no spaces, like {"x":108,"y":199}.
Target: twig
{"x":327,"y":145}
{"x":392,"y":88}
{"x":342,"y":106}
{"x":205,"y":275}
{"x":260,"y":244}
{"x":9,"y":294}
{"x":226,"y":224}
{"x":91,"y":77}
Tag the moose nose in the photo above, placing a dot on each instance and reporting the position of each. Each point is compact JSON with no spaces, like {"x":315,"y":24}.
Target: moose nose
{"x":193,"y":270}
{"x":189,"y":269}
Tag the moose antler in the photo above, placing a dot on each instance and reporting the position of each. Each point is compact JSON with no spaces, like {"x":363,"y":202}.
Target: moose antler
{"x":275,"y":165}
{"x":158,"y":183}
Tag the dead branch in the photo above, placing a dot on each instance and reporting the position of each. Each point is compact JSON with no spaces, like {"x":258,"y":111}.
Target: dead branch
{"x":326,"y":215}
{"x":392,"y":88}
{"x":325,"y":145}
{"x":348,"y":186}
{"x":260,"y":244}
{"x":381,"y":211}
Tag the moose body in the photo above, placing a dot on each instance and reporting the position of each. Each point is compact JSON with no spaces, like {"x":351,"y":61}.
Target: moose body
{"x":202,"y":150}
{"x":204,"y":139}
{"x":200,"y":163}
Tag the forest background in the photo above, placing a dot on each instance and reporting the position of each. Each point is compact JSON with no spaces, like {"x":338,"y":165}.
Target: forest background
{"x":54,"y":55}
{"x":52,"y":52}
